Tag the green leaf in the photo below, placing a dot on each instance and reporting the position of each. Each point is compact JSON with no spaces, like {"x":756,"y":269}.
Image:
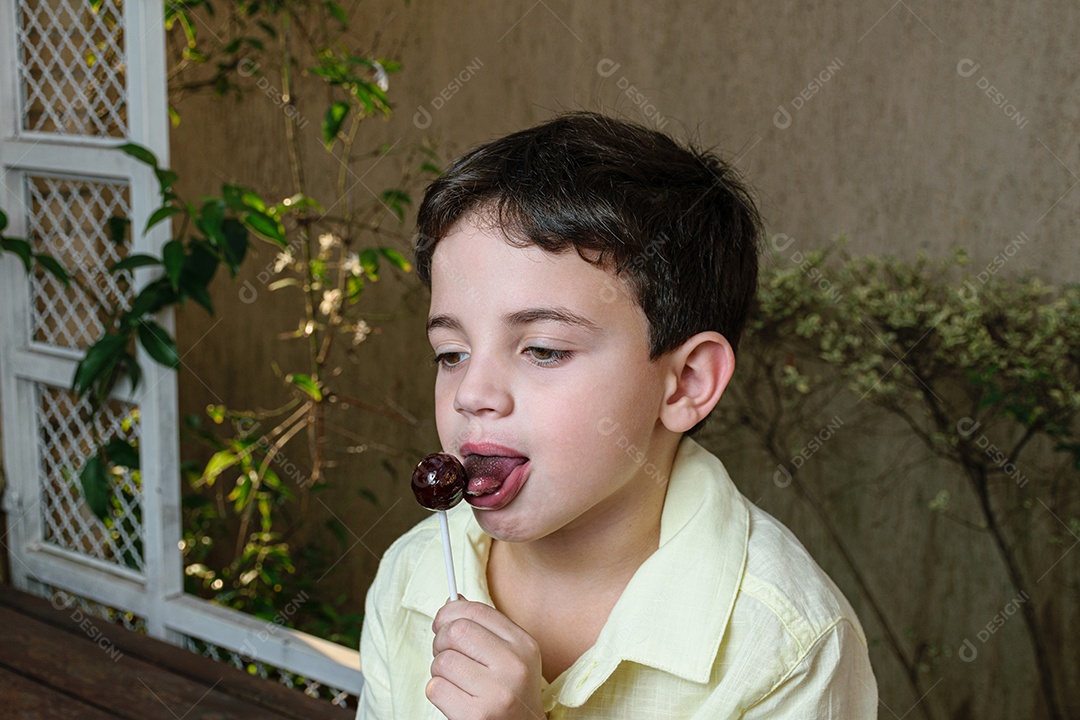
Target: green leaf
{"x":369,"y":260}
{"x":3,"y":221}
{"x":430,"y":167}
{"x":131,"y":367}
{"x":201,"y":264}
{"x":20,"y":247}
{"x":236,"y":243}
{"x":172,"y":257}
{"x":307,"y":384}
{"x":264,"y":225}
{"x":158,"y":343}
{"x":397,"y":258}
{"x":395,"y":200}
{"x":55,"y":268}
{"x":153,"y":297}
{"x":210,"y":219}
{"x":251,"y":199}
{"x":95,"y":486}
{"x":196,"y":292}
{"x":134,"y":261}
{"x":163,"y":212}
{"x":166,"y":179}
{"x":219,"y":463}
{"x":241,"y":492}
{"x":336,"y":11}
{"x":331,"y":124}
{"x":139,"y":153}
{"x":233,"y":195}
{"x":354,"y":285}
{"x":118,"y":227}
{"x":99,"y":361}
{"x":121,"y":452}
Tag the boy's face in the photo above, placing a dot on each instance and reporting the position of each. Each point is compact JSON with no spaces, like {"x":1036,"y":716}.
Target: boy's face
{"x":545,"y":388}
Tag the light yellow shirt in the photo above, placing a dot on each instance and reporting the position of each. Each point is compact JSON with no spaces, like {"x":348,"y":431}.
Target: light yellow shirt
{"x":729,"y":618}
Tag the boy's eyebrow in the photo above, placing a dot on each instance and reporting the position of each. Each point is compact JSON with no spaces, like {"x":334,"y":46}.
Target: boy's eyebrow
{"x":522,"y":317}
{"x":443,"y":321}
{"x":551,"y":314}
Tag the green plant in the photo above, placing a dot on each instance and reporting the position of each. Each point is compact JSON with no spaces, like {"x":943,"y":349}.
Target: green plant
{"x":965,"y":365}
{"x":325,"y":259}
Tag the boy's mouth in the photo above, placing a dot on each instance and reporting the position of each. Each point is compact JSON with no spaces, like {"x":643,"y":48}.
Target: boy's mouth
{"x":487,"y":473}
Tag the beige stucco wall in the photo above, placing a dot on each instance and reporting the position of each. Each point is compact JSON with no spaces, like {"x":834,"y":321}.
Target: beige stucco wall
{"x":858,"y":118}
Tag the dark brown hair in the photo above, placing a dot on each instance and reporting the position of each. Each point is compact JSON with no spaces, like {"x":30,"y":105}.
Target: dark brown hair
{"x":676,"y":222}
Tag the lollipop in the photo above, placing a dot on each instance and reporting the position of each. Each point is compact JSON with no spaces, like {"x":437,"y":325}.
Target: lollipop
{"x":439,"y":482}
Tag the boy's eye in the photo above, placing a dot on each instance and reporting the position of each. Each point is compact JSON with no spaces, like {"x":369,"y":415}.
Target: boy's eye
{"x":546,"y":356}
{"x":449,"y":359}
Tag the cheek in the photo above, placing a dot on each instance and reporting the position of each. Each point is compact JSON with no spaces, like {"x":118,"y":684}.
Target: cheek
{"x":444,"y":409}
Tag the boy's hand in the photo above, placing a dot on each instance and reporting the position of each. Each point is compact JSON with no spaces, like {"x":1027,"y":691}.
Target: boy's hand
{"x":485,"y":666}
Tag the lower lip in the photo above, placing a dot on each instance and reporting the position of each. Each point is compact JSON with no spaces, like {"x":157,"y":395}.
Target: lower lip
{"x":505,"y":494}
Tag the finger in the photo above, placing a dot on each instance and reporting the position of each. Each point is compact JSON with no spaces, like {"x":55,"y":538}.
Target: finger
{"x":484,"y":615}
{"x":462,"y":671}
{"x":452,"y":701}
{"x":482,"y":688}
{"x":475,"y":641}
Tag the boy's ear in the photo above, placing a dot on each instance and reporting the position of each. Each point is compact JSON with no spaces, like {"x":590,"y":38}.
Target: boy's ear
{"x":699,"y":370}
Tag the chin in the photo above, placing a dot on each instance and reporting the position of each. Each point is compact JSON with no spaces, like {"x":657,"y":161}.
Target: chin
{"x":505,"y":529}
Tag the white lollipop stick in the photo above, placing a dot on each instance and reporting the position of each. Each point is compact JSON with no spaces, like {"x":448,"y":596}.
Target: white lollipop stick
{"x":448,"y":555}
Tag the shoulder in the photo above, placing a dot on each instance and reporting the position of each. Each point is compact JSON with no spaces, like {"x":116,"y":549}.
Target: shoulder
{"x":784,"y":587}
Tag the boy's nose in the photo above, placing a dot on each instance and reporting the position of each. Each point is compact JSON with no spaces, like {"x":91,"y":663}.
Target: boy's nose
{"x":483,"y":388}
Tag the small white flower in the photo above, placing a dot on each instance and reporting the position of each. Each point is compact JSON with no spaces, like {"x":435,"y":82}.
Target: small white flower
{"x":330,"y":301}
{"x":381,"y":78}
{"x":327,"y":241}
{"x":284,"y":260}
{"x":352,"y":264}
{"x":362,"y":331}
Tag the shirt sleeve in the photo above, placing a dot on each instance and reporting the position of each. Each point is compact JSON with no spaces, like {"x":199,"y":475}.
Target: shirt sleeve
{"x":832,"y":681}
{"x":375,"y":697}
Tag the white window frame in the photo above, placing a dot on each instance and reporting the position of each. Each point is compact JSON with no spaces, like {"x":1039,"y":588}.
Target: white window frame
{"x":156,"y":593}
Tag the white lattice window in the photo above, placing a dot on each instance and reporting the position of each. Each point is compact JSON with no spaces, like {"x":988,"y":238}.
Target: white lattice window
{"x":69,"y":436}
{"x":68,"y":219}
{"x":72,"y":67}
{"x":76,"y":79}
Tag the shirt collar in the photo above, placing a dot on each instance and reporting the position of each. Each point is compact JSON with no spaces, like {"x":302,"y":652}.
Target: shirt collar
{"x":675,"y":609}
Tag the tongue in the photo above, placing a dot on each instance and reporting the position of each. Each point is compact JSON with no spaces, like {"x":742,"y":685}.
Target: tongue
{"x":487,"y":473}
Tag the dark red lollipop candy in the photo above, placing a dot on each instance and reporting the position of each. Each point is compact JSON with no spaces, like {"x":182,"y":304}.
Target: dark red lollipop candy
{"x":439,"y":481}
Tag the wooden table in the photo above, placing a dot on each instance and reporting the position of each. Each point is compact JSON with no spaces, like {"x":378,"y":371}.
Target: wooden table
{"x":60,"y":664}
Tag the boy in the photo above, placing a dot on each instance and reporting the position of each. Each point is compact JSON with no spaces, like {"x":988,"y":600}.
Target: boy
{"x":589,"y":282}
